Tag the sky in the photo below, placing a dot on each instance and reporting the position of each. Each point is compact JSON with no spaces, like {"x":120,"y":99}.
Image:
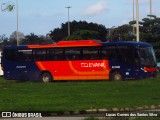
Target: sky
{"x":42,"y":16}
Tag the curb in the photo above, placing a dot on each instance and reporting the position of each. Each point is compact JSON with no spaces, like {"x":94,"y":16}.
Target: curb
{"x":105,"y":110}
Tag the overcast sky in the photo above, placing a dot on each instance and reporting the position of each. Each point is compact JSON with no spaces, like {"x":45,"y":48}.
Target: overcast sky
{"x":41,"y":16}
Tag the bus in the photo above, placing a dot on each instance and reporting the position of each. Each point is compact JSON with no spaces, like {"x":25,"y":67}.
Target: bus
{"x":79,"y":60}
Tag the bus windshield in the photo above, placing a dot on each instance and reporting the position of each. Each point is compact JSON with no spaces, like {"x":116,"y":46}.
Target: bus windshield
{"x":147,"y":56}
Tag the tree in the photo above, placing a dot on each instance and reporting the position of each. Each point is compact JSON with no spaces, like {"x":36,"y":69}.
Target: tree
{"x":122,"y":33}
{"x":61,"y":33}
{"x":3,"y":38}
{"x":150,"y":32}
{"x":150,"y":29}
{"x":82,"y":34}
{"x":3,"y":41}
{"x":31,"y":39}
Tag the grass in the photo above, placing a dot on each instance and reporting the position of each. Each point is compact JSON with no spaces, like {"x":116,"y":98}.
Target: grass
{"x":69,"y":96}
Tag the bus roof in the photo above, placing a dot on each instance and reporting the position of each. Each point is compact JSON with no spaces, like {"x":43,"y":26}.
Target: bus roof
{"x":81,"y":43}
{"x":127,"y":43}
{"x":73,"y":43}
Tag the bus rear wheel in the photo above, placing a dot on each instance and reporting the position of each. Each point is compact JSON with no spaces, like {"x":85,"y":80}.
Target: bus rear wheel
{"x":46,"y":77}
{"x":116,"y":76}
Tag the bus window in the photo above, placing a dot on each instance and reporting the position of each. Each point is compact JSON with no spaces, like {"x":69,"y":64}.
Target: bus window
{"x":147,"y":56}
{"x":18,"y":55}
{"x":104,"y":54}
{"x":113,"y":53}
{"x":72,"y":54}
{"x":26,"y":55}
{"x":40,"y":54}
{"x":91,"y":54}
{"x":56,"y":54}
{"x":127,"y":54}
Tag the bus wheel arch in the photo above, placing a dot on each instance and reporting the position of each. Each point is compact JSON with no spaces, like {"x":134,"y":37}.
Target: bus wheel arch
{"x":46,"y":77}
{"x":115,"y":75}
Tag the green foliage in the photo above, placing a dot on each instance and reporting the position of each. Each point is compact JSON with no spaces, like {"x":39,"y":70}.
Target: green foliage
{"x":132,"y":22}
{"x":61,"y":33}
{"x":3,"y":38}
{"x":150,"y":29}
{"x":150,"y":32}
{"x":72,"y":37}
{"x":33,"y":39}
{"x":122,"y":33}
{"x":83,"y":35}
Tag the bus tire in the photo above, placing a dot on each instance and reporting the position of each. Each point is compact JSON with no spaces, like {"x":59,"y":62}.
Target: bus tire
{"x":116,"y":76}
{"x":46,"y":77}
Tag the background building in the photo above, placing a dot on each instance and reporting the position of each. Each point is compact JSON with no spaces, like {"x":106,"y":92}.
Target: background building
{"x":13,"y":36}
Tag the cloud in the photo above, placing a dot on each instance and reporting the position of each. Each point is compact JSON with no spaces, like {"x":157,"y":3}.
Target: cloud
{"x":96,"y":9}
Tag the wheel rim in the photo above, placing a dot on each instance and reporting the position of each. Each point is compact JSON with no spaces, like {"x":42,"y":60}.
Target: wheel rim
{"x":117,"y":77}
{"x":46,"y":78}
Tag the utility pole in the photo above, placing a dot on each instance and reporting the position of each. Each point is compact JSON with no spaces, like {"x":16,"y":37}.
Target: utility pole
{"x":150,"y":7}
{"x":133,"y":20}
{"x":137,"y":20}
{"x":17,"y":24}
{"x":69,"y":33}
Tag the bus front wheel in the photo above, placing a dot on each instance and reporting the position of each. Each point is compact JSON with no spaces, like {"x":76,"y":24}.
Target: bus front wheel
{"x":46,"y":77}
{"x":116,"y":76}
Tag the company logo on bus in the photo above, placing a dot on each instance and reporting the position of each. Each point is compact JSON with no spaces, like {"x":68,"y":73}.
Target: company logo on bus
{"x":92,"y":65}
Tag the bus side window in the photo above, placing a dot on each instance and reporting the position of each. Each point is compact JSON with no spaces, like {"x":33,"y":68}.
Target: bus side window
{"x":127,"y":54}
{"x":40,"y":54}
{"x":113,"y":53}
{"x":136,"y":58}
{"x":104,"y":54}
{"x":19,"y":55}
{"x":27,"y":55}
{"x":72,"y":54}
{"x":91,"y":54}
{"x":56,"y":54}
